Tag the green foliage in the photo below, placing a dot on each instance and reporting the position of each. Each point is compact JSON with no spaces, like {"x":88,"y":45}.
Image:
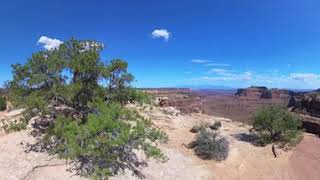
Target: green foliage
{"x":274,"y":124}
{"x":208,"y":145}
{"x":16,"y":126}
{"x":80,"y":98}
{"x":73,"y":75}
{"x":104,"y":145}
{"x":139,"y":96}
{"x":3,"y":103}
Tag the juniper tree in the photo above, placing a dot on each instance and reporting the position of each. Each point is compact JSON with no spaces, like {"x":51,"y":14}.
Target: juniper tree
{"x":81,"y":98}
{"x":274,"y":124}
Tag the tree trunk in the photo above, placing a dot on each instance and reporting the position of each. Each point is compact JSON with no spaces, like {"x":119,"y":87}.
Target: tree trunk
{"x":274,"y":151}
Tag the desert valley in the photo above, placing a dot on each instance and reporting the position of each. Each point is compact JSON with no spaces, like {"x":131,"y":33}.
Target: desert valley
{"x":176,"y":111}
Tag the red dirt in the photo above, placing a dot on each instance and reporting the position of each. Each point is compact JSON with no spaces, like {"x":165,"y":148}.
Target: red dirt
{"x":304,"y":162}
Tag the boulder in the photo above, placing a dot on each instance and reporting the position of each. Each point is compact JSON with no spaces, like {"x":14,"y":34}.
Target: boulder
{"x":171,"y":111}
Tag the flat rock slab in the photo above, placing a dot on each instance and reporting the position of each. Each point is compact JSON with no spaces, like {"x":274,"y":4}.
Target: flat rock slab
{"x":15,"y":163}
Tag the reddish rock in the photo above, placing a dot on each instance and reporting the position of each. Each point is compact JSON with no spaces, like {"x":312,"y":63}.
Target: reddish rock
{"x":261,"y":92}
{"x":307,"y":105}
{"x":183,"y":99}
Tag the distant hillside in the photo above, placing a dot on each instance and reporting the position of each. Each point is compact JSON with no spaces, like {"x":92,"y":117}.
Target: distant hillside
{"x":262,"y":92}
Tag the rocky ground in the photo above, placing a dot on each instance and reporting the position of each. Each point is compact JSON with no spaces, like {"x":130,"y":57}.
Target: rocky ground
{"x":245,"y":160}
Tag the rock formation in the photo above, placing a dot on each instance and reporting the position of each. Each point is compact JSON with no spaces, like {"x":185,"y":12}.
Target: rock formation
{"x":261,"y":92}
{"x":183,"y":99}
{"x":307,"y":105}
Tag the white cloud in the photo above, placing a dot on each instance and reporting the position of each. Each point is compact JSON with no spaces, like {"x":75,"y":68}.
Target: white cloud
{"x":218,"y":71}
{"x":161,"y":33}
{"x":209,"y":63}
{"x":218,"y":64}
{"x":199,"y":61}
{"x":306,"y":77}
{"x":49,"y":43}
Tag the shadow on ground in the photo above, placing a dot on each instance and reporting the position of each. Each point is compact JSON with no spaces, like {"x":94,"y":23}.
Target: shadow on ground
{"x":249,"y":138}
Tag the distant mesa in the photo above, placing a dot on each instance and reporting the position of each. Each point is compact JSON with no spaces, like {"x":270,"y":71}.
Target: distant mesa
{"x":304,"y":104}
{"x":262,"y":92}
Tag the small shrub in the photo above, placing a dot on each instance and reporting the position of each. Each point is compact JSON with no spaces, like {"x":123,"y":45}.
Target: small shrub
{"x":16,"y":126}
{"x":3,"y":103}
{"x":208,"y":145}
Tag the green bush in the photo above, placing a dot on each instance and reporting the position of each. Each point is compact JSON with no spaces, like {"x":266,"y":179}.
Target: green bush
{"x":3,"y":103}
{"x":140,"y":96}
{"x":105,"y":145}
{"x":128,"y":95}
{"x":208,"y":146}
{"x":274,"y":124}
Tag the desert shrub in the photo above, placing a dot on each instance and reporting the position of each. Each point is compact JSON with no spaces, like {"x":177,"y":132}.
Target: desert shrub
{"x":16,"y":126}
{"x":208,"y":145}
{"x":274,"y":124}
{"x":3,"y":103}
{"x":214,"y":126}
{"x":78,"y":101}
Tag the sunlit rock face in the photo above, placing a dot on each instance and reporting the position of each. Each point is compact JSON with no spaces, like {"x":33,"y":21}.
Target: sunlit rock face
{"x":261,"y":92}
{"x":307,"y":105}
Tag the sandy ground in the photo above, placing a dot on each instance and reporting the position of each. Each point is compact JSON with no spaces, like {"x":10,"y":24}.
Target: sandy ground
{"x":245,"y":160}
{"x":304,"y":162}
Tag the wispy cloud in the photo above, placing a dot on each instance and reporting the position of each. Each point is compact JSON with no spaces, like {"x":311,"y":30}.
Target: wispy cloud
{"x":305,"y":77}
{"x":248,"y":78}
{"x":49,"y":43}
{"x":161,"y":33}
{"x":209,"y":63}
{"x":200,"y":61}
{"x":218,"y":64}
{"x":218,"y":71}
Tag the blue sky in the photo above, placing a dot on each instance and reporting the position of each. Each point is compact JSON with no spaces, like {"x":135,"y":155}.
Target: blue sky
{"x":170,"y":43}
